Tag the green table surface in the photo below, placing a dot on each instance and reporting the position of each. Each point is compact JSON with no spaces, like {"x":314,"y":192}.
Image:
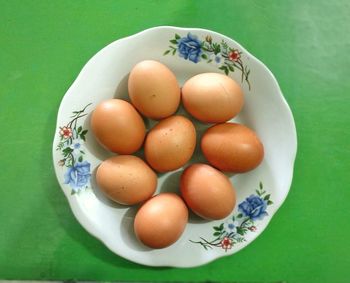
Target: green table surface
{"x":44,"y":45}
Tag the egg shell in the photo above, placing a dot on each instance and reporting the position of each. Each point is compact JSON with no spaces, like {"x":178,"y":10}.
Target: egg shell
{"x":153,"y":89}
{"x":212,"y":97}
{"x":170,"y":144}
{"x":118,"y":126}
{"x":126,"y":179}
{"x":161,"y":220}
{"x":232,"y":147}
{"x":207,"y":191}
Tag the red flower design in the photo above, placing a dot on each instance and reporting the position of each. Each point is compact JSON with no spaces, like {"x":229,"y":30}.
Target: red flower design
{"x":66,"y":132}
{"x":226,"y":243}
{"x":234,"y":55}
{"x":252,"y":228}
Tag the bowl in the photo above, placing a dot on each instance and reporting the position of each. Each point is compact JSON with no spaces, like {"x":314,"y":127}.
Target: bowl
{"x":187,"y":52}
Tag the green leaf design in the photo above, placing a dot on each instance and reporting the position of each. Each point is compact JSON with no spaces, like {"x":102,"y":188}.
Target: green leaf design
{"x":233,"y":218}
{"x":258,"y":192}
{"x":224,"y":44}
{"x":174,"y":51}
{"x":82,"y":135}
{"x":216,"y":234}
{"x":225,"y":69}
{"x":240,"y":240}
{"x":204,"y":56}
{"x":67,"y":151}
{"x":219,"y":228}
{"x":177,"y":36}
{"x":166,"y":52}
{"x":210,"y":60}
{"x":241,"y":231}
{"x":216,"y":48}
{"x":80,"y":129}
{"x":267,"y":197}
{"x":231,"y":68}
{"x":269,"y":202}
{"x":240,"y":215}
{"x":173,"y":41}
{"x":60,"y":145}
{"x":261,"y":185}
{"x":80,"y":159}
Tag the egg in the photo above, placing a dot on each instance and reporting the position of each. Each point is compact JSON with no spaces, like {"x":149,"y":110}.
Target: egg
{"x":170,"y":144}
{"x":126,"y":179}
{"x":161,"y":220}
{"x":153,"y":89}
{"x":232,"y":147}
{"x":207,"y":191}
{"x":118,"y":126}
{"x":212,"y":97}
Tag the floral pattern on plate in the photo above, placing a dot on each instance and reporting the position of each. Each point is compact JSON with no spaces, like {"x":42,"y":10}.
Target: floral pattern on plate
{"x":97,"y":76}
{"x":234,"y":229}
{"x":72,"y":137}
{"x":227,"y":59}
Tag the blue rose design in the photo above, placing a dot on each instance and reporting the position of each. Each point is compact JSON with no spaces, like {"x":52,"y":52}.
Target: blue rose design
{"x":78,"y":175}
{"x":254,"y":207}
{"x":190,"y":48}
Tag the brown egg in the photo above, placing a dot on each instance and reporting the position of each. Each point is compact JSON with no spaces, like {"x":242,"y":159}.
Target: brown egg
{"x":207,"y":191}
{"x":153,"y":89}
{"x":118,"y":126}
{"x":126,"y":179}
{"x":232,"y":147}
{"x":170,"y":144}
{"x":212,"y":97}
{"x":161,"y":220}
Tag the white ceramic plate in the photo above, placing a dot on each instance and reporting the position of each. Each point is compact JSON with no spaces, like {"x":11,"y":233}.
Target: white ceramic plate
{"x":187,"y":52}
